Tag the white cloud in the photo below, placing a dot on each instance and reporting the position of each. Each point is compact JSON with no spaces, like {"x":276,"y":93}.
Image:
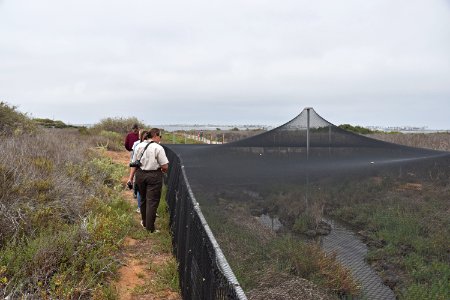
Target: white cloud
{"x":251,"y":61}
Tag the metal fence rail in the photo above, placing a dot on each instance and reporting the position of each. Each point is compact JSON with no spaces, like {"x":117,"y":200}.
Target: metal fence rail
{"x":203,"y":269}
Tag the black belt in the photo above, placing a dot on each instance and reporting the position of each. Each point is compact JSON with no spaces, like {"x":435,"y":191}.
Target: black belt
{"x":149,"y":171}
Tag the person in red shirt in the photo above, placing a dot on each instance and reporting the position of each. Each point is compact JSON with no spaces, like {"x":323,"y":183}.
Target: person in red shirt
{"x":132,"y":137}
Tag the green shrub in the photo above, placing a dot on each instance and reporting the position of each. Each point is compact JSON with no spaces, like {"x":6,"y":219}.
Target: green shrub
{"x":48,"y":123}
{"x":43,"y":163}
{"x":83,"y":131}
{"x":111,"y":135}
{"x":297,"y":254}
{"x":111,"y":140}
{"x":303,"y":223}
{"x":70,"y":260}
{"x":436,"y":290}
{"x":31,"y":263}
{"x":308,"y":261}
{"x":117,"y":124}
{"x":42,"y":185}
{"x":178,"y":138}
{"x":356,"y":129}
{"x":14,"y":122}
{"x":109,"y":172}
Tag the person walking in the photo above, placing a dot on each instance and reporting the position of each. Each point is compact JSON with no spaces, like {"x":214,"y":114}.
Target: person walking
{"x":143,"y":135}
{"x":132,"y":137}
{"x":149,"y":176}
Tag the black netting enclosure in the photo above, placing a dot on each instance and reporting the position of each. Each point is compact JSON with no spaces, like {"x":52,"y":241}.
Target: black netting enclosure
{"x":310,"y":211}
{"x":204,"y":271}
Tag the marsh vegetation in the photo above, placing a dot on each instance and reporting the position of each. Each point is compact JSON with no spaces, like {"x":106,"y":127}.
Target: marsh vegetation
{"x":400,"y":213}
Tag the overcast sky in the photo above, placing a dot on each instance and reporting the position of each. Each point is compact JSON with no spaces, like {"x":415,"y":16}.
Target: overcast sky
{"x":378,"y":62}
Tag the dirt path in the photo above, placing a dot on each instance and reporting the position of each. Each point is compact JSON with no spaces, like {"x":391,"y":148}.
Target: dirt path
{"x":138,"y":276}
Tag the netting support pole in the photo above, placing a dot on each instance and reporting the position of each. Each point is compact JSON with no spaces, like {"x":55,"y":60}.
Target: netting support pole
{"x":308,"y":123}
{"x":329,"y":140}
{"x":308,"y":109}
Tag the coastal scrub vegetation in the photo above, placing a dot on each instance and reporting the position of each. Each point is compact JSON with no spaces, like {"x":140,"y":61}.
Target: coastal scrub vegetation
{"x":62,"y":219}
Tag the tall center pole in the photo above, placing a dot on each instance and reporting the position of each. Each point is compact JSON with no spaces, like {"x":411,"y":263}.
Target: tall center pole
{"x":307,"y":131}
{"x":308,"y":120}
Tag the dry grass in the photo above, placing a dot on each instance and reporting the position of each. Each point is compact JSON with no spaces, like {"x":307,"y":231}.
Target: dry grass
{"x":435,"y":141}
{"x":60,"y":219}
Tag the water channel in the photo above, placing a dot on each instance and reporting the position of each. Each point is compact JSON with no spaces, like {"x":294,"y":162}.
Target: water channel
{"x":351,"y":253}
